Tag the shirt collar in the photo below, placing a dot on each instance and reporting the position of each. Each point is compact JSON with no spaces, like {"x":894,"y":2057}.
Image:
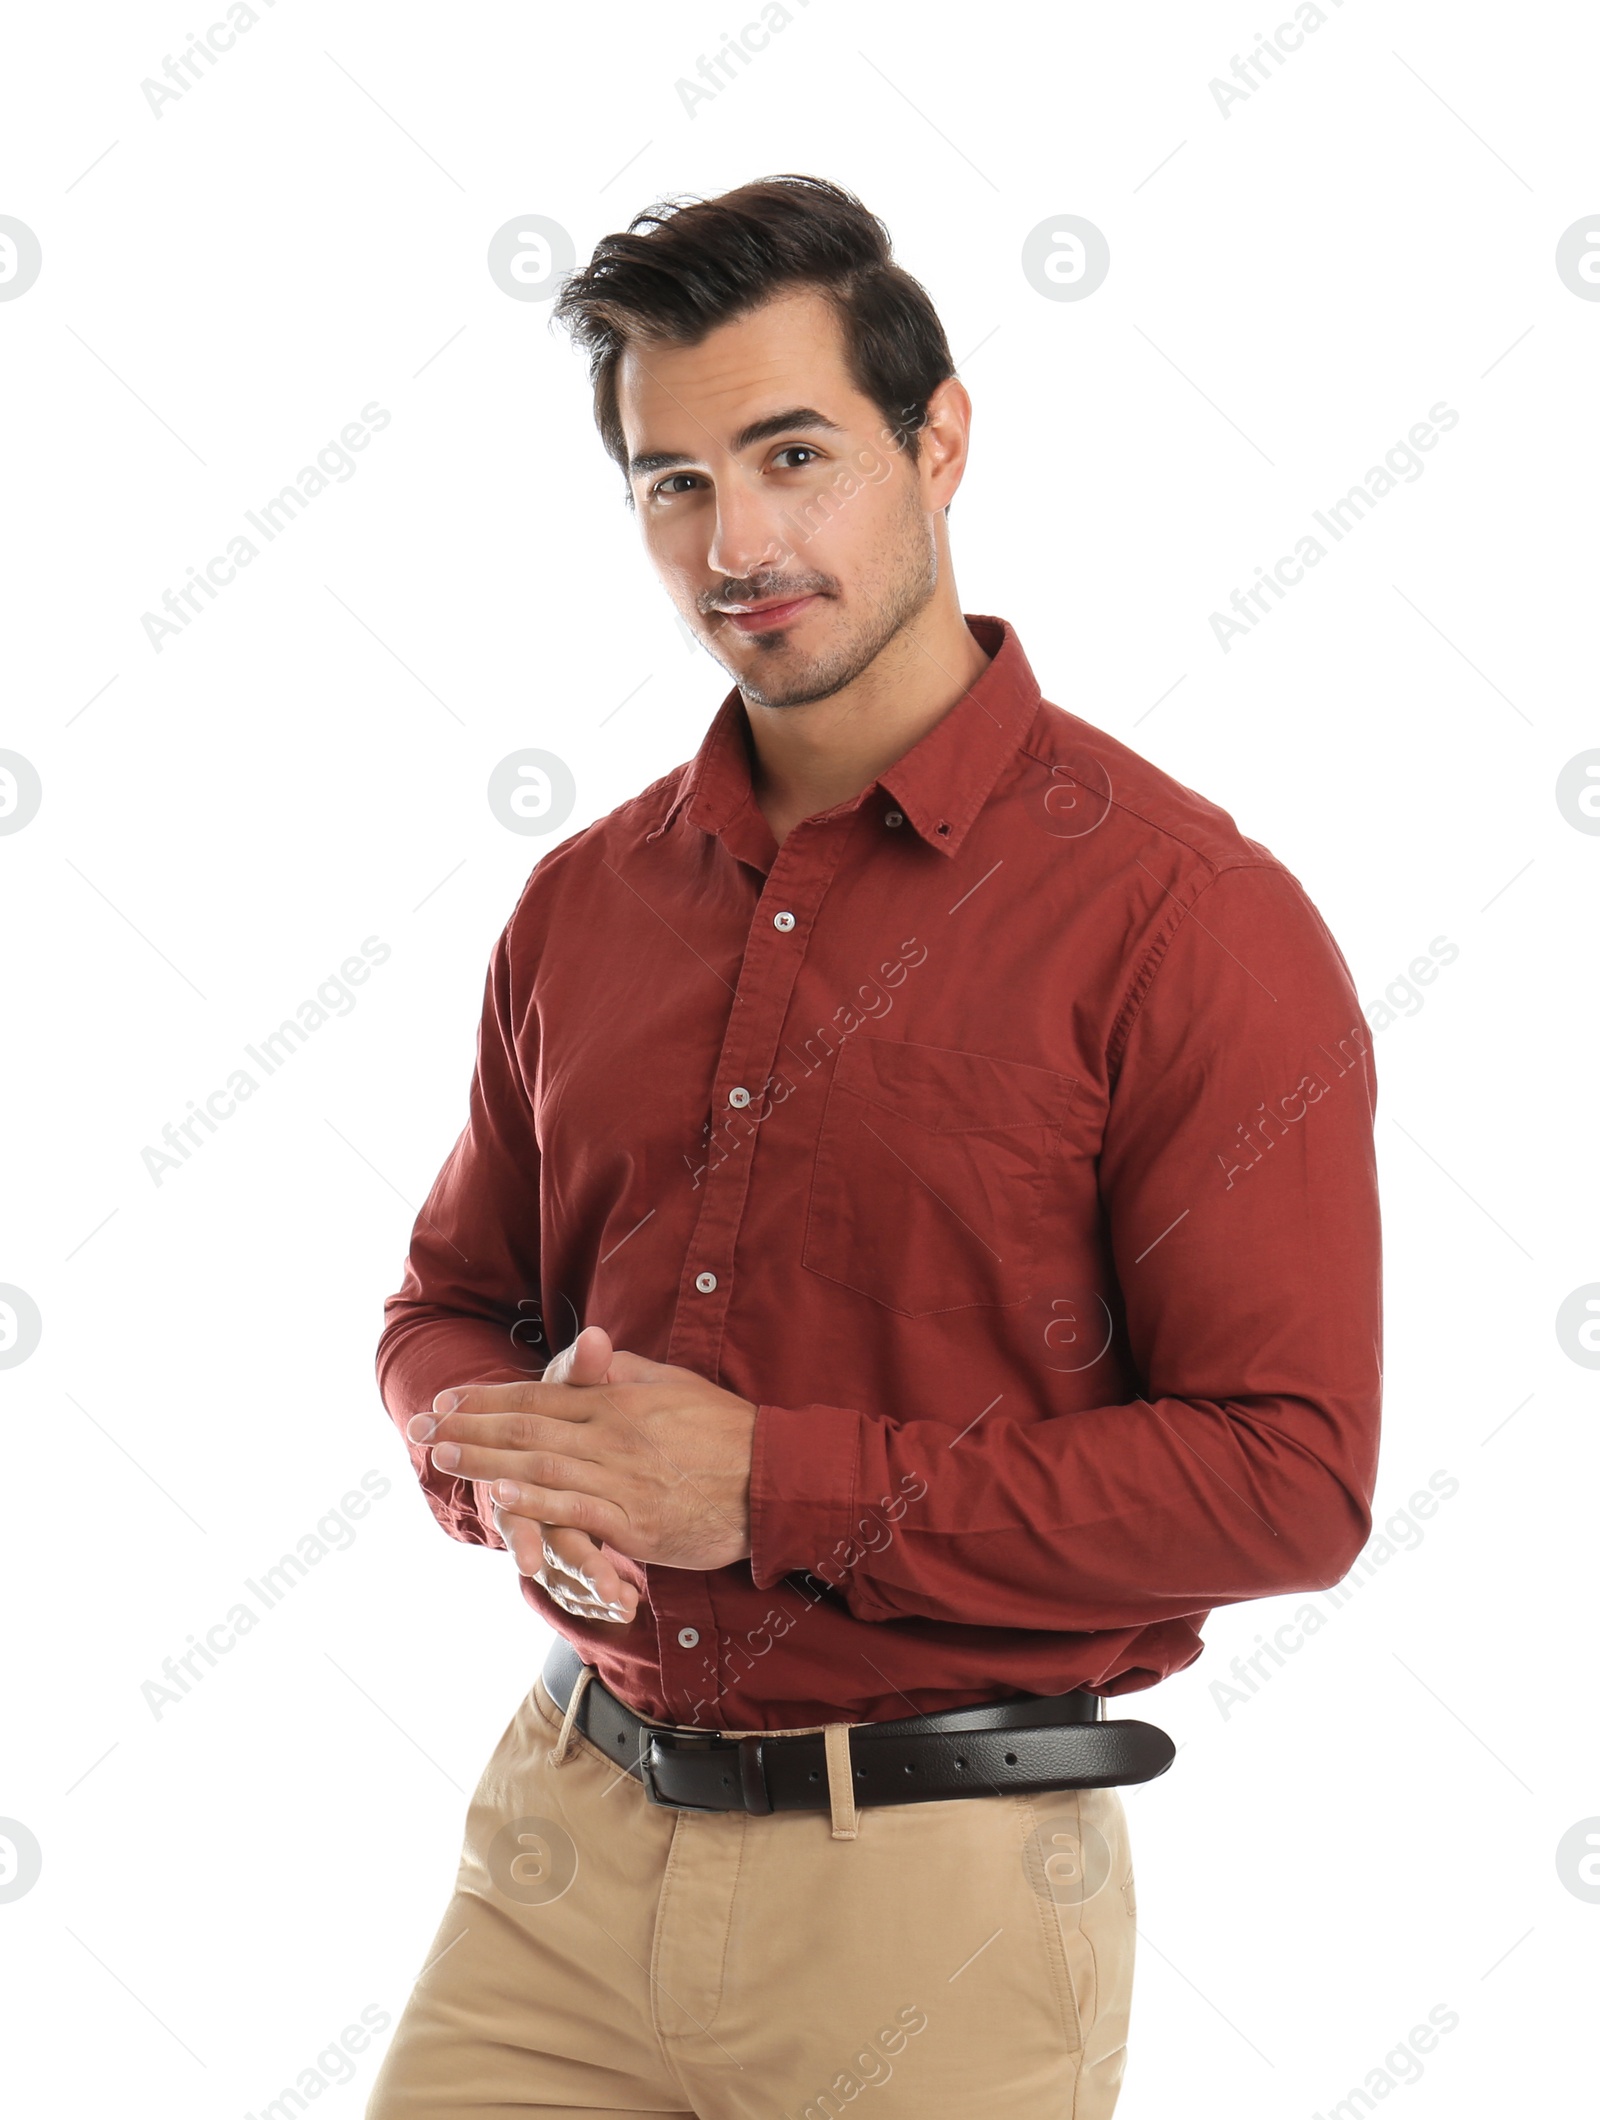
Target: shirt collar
{"x":939,"y":785}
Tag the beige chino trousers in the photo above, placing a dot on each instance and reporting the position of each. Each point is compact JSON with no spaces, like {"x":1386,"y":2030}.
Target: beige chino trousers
{"x":604,"y":1956}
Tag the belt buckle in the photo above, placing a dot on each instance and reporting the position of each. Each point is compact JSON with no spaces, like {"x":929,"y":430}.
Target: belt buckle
{"x":752,"y":1772}
{"x":667,"y":1741}
{"x":646,"y":1765}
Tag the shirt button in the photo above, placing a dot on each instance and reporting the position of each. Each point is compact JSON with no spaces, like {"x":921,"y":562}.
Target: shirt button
{"x":688,"y":1637}
{"x":894,"y":817}
{"x":705,"y":1282}
{"x":783,"y":922}
{"x":738,"y":1098}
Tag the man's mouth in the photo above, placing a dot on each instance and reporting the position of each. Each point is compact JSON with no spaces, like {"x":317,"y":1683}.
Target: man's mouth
{"x":763,"y":617}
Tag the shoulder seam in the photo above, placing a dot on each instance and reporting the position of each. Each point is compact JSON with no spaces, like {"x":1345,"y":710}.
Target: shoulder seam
{"x":1154,"y":957}
{"x":1243,"y":860}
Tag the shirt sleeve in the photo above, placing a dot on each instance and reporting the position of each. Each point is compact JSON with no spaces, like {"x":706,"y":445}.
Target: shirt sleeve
{"x":1238,"y":1180}
{"x":467,"y":1310}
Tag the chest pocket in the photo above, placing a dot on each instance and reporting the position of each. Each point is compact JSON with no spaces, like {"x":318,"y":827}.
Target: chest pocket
{"x":930,"y":1175}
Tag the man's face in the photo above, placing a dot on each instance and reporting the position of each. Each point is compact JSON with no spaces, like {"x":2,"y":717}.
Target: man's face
{"x":763,"y":477}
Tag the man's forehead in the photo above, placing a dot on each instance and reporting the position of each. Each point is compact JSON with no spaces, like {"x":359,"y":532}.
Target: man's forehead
{"x":785,"y":355}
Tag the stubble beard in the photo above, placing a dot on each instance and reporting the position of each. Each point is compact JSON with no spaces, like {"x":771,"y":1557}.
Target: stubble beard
{"x":794,"y":680}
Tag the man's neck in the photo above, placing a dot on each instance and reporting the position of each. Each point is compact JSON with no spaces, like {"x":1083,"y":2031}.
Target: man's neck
{"x":809,"y":758}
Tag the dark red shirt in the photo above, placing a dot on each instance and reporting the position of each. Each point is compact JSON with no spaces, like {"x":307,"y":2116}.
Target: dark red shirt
{"x":1006,"y":1136}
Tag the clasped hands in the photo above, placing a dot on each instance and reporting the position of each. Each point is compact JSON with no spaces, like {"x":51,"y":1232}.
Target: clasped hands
{"x":608,"y":1461}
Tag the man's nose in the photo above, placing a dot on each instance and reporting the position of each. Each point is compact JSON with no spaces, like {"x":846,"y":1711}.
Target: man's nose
{"x":747,"y":539}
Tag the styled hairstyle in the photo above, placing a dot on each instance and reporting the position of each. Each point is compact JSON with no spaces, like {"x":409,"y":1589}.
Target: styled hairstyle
{"x":702,"y":262}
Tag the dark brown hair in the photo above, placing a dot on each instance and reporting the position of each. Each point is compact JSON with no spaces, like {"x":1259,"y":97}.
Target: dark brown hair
{"x":705,"y":261}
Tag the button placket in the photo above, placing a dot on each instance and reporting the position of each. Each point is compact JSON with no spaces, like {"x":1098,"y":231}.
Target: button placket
{"x":796,"y":884}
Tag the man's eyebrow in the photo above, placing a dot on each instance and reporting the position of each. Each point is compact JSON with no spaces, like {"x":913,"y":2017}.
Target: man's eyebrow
{"x":762,"y":430}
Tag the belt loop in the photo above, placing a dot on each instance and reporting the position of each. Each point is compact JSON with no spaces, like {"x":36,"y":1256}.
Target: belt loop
{"x":559,"y":1753}
{"x":841,"y":1787}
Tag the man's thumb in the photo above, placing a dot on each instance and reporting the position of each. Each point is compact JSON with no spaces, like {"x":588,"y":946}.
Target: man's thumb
{"x":584,"y":1361}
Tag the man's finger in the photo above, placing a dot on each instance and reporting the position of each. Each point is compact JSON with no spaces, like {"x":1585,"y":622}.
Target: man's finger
{"x":555,"y":1559}
{"x":508,"y":1403}
{"x":562,"y":1559}
{"x":600,"y":1518}
{"x":473,"y":1461}
{"x":511,"y":1428}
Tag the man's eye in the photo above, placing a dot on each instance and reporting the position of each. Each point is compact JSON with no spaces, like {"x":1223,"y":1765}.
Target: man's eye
{"x":797,"y":448}
{"x":660,"y":489}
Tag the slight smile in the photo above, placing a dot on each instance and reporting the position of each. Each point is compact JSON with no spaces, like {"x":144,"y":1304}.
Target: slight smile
{"x":761,"y":618}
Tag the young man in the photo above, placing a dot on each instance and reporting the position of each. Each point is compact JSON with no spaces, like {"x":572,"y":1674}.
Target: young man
{"x":954,"y":1139}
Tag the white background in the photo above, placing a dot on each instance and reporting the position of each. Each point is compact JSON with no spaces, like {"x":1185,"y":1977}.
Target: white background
{"x":1293,"y":285}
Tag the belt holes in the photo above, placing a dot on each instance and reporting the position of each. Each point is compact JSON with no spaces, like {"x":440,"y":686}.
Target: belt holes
{"x":960,"y":1762}
{"x":814,"y":1775}
{"x":911,"y":1766}
{"x":1011,"y":1759}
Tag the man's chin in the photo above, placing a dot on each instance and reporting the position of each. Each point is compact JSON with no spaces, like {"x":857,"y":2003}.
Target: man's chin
{"x":776,"y":682}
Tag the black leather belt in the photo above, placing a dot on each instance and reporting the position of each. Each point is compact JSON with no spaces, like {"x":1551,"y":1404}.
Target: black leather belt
{"x":1016,"y":1747}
